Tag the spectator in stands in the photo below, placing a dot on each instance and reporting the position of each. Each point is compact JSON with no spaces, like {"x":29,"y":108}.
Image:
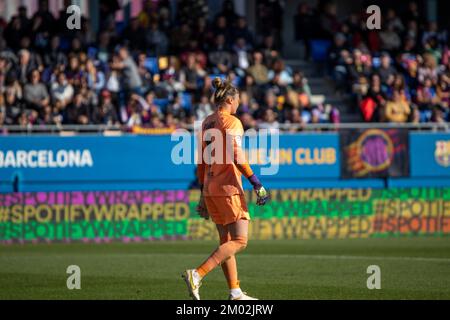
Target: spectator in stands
{"x":295,"y":118}
{"x":411,"y":79}
{"x":23,"y":18}
{"x":277,"y":86}
{"x":73,"y":72}
{"x":61,"y":90}
{"x":219,"y":57}
{"x":270,"y":102}
{"x":50,"y":116}
{"x":179,"y":37}
{"x":245,"y":105}
{"x":432,"y":33}
{"x":135,"y":35}
{"x":397,"y":109}
{"x":329,"y":23}
{"x":106,"y":113}
{"x":251,"y":87}
{"x":171,"y":121}
{"x":413,"y":31}
{"x":12,"y":105}
{"x":148,"y":105}
{"x":443,"y":94}
{"x":361,"y":87}
{"x":420,"y":53}
{"x":415,"y":115}
{"x":95,"y":78}
{"x":35,"y":92}
{"x":393,"y":21}
{"x":176,"y":109}
{"x":248,"y":122}
{"x":190,"y":75}
{"x":386,"y":69}
{"x":43,"y":20}
{"x":412,"y":14}
{"x":304,"y":27}
{"x":269,"y":120}
{"x":241,"y":55}
{"x":132,"y":82}
{"x":334,"y":52}
{"x":241,"y":30}
{"x":374,"y":101}
{"x":301,"y":88}
{"x":25,"y":66}
{"x":104,"y":47}
{"x":428,"y":68}
{"x":358,"y":66}
{"x":258,"y":70}
{"x":222,"y":27}
{"x":269,"y":50}
{"x":228,"y":12}
{"x":77,"y":112}
{"x":198,"y":49}
{"x":194,"y":48}
{"x":54,"y":55}
{"x":4,"y":68}
{"x":427,"y":98}
{"x":14,"y":32}
{"x":156,"y":40}
{"x":279,"y":69}
{"x":203,"y":109}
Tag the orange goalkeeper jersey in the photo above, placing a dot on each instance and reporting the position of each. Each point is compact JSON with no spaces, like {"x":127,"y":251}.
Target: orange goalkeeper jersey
{"x":222,"y":161}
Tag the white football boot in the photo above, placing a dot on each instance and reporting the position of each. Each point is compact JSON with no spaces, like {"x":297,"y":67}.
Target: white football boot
{"x":193,"y":283}
{"x":241,"y":296}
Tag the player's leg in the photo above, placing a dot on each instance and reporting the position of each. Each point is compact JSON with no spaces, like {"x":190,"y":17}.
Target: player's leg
{"x":222,"y":255}
{"x":239,"y":230}
{"x":232,"y":214}
{"x":229,"y":266}
{"x":238,"y":242}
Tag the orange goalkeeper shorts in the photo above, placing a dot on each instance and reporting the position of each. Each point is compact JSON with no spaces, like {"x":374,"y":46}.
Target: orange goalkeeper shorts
{"x":227,"y":209}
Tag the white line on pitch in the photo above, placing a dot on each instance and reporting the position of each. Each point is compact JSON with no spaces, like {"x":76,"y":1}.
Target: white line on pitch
{"x":336,"y":257}
{"x":318,"y":256}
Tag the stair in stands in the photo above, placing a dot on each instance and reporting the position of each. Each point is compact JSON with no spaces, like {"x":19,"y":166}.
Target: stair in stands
{"x":322,"y":89}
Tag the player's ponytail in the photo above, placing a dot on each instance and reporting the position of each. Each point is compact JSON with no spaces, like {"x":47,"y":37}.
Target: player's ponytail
{"x":217,"y":83}
{"x":223,"y":89}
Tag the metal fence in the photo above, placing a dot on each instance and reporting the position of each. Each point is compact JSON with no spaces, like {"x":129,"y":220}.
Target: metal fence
{"x":114,"y":130}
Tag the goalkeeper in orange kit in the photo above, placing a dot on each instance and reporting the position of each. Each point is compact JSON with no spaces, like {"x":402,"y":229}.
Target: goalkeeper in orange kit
{"x":222,"y":197}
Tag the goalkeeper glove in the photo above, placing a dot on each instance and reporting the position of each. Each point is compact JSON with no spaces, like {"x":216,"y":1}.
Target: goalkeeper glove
{"x":201,"y":207}
{"x":262,"y":194}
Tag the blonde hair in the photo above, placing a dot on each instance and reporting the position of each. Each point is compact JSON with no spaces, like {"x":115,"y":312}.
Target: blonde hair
{"x":223,"y":89}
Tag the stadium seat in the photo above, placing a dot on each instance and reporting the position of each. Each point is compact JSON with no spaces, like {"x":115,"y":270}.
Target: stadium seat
{"x":92,"y":52}
{"x":319,"y":49}
{"x":152,"y":65}
{"x":120,"y":26}
{"x":238,"y":81}
{"x":161,"y":103}
{"x":64,"y":44}
{"x":186,"y":100}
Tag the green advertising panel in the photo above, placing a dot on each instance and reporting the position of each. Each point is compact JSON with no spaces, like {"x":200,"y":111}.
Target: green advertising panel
{"x":160,"y":215}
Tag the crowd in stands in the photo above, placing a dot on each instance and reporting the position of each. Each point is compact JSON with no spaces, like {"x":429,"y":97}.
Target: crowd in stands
{"x":156,"y":71}
{"x":400,"y":73}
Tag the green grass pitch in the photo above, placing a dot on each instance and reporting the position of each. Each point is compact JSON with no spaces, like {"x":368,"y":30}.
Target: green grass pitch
{"x":411,"y":268}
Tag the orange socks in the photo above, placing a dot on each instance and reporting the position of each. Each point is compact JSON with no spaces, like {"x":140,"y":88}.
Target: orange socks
{"x":224,"y":255}
{"x":229,"y":267}
{"x":230,"y":271}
